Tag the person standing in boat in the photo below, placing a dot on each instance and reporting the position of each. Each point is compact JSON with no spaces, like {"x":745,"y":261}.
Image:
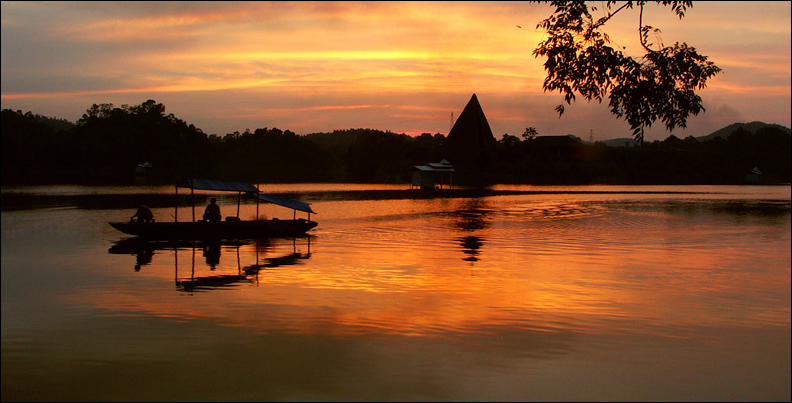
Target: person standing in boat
{"x":143,"y":214}
{"x":212,"y":213}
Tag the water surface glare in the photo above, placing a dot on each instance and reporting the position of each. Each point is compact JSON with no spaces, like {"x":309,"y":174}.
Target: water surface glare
{"x":526,"y":293}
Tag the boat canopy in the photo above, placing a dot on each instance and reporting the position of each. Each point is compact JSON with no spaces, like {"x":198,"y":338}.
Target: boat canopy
{"x":292,"y":204}
{"x":205,"y":184}
{"x":249,"y":189}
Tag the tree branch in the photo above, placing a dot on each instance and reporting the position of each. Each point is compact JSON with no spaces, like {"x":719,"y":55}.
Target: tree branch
{"x":603,"y":20}
{"x":661,"y":87}
{"x":642,"y":34}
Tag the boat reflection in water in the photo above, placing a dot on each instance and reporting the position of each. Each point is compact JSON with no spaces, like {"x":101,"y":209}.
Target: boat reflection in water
{"x":144,"y":250}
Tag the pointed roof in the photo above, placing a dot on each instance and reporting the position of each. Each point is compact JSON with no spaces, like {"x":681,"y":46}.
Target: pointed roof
{"x":470,"y":141}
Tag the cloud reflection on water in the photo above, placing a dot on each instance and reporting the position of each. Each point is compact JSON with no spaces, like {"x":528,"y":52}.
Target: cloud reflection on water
{"x":644,"y":297}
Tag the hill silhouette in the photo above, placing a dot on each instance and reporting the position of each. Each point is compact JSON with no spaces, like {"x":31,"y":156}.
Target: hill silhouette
{"x":751,"y":127}
{"x":723,"y":133}
{"x":107,"y":144}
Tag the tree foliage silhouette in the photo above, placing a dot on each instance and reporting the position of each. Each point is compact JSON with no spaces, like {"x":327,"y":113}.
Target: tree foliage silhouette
{"x":660,"y":85}
{"x":108,"y":143}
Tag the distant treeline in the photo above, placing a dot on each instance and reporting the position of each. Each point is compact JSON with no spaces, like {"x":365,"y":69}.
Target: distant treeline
{"x":107,"y":143}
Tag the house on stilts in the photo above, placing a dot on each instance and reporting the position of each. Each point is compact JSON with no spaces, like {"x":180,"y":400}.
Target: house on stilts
{"x":432,"y":175}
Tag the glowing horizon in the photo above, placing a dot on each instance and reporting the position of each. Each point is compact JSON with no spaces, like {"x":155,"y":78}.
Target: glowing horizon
{"x":310,"y":66}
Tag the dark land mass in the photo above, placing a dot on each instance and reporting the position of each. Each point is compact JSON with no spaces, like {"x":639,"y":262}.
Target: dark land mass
{"x":143,"y":144}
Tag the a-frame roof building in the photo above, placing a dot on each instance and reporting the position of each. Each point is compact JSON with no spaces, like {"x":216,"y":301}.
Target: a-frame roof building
{"x":470,"y":142}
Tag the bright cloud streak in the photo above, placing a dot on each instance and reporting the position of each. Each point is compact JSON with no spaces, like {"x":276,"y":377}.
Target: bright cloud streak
{"x":321,"y":66}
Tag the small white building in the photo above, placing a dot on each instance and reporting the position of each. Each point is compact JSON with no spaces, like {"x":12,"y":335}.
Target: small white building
{"x":143,"y":173}
{"x":753,"y":176}
{"x":433,"y":175}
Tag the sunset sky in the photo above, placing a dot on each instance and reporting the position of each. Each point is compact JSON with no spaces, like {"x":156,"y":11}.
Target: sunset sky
{"x":404,"y":67}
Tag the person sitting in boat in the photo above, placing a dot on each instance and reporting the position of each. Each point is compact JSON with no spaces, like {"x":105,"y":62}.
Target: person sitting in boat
{"x":212,"y":213}
{"x":143,"y":214}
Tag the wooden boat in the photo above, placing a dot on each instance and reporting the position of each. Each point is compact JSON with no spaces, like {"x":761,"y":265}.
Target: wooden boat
{"x":232,"y":227}
{"x":218,"y":230}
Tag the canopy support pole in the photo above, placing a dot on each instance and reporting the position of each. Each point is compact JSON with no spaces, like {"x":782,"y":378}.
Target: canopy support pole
{"x":192,"y":198}
{"x":176,"y":208}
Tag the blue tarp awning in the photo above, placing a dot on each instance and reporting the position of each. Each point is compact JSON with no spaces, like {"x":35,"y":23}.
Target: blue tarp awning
{"x":250,"y":190}
{"x":204,"y":184}
{"x":292,"y":204}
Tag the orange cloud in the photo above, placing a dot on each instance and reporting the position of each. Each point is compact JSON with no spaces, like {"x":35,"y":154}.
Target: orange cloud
{"x":309,"y":55}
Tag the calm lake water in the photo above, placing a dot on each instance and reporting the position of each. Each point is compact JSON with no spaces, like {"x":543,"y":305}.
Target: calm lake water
{"x":559,"y":293}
